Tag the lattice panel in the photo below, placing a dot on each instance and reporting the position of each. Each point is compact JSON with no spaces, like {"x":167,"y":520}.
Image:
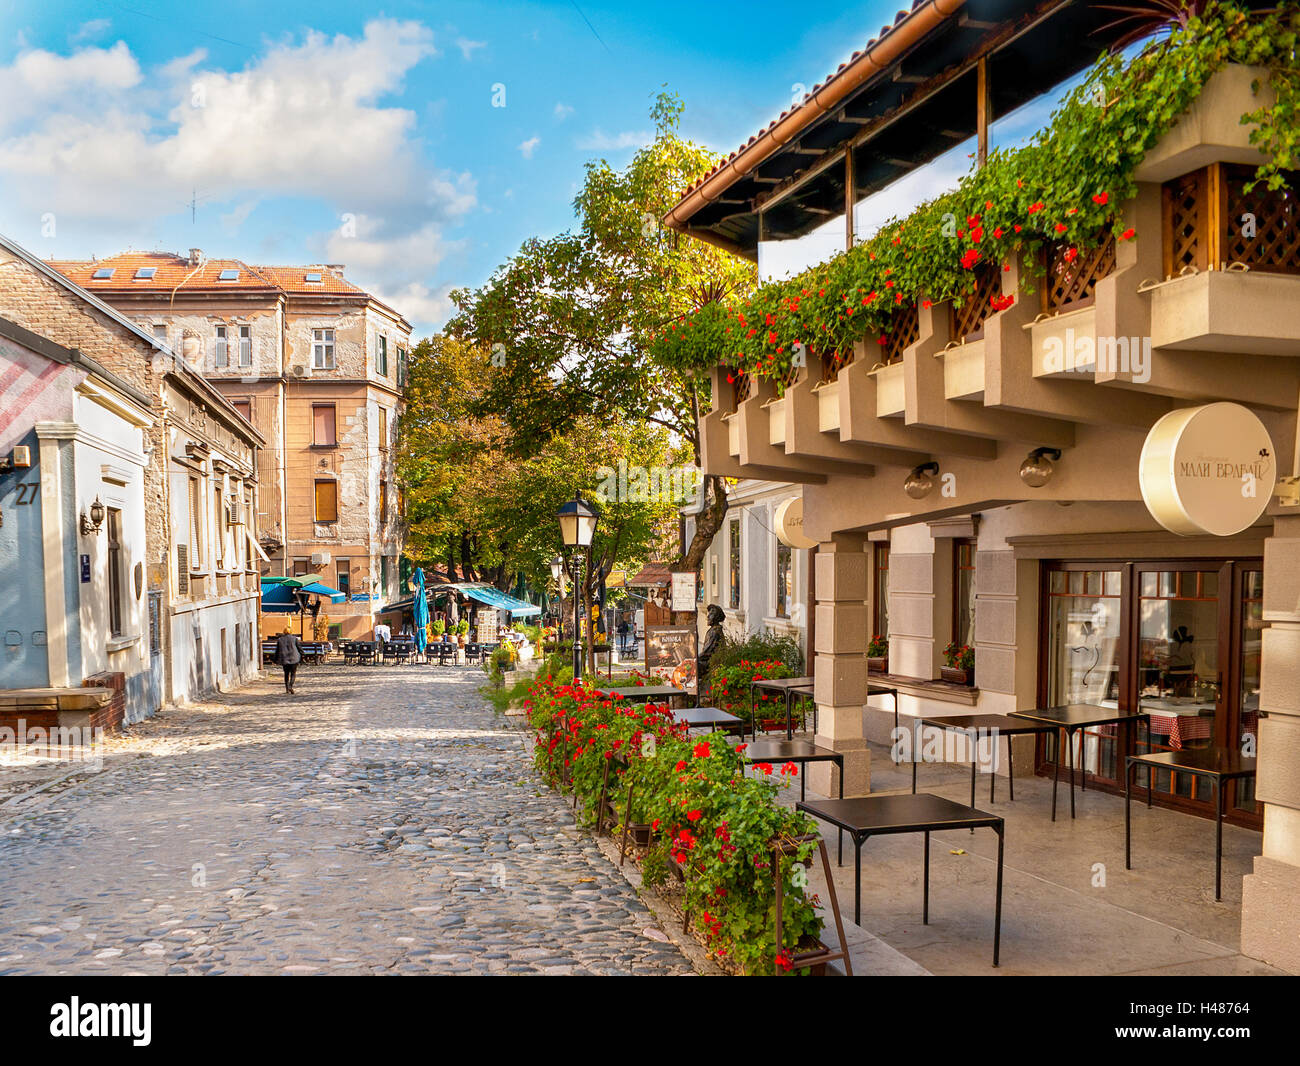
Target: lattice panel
{"x":904,"y":331}
{"x":968,"y":319}
{"x":741,"y":387}
{"x":834,"y":362}
{"x":1073,"y":282}
{"x":1262,"y":227}
{"x":1187,"y":213}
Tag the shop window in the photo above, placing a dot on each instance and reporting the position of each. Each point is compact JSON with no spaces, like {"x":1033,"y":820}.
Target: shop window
{"x":963,"y":592}
{"x":733,"y":578}
{"x":880,"y":591}
{"x":784,"y":579}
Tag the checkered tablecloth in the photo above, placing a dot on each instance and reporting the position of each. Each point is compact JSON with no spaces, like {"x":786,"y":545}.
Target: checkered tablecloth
{"x":1180,"y":728}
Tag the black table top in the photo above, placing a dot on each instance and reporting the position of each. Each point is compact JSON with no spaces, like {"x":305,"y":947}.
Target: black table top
{"x":1209,"y":762}
{"x":704,"y":716}
{"x":787,"y":751}
{"x":1074,"y":715}
{"x":867,"y":815}
{"x":1003,"y":723}
{"x":780,"y":684}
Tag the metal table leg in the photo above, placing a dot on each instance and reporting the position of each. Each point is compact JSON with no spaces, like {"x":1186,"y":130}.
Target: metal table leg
{"x":925,"y":897}
{"x":1069,"y":740}
{"x":1129,"y":767}
{"x":1056,"y":775}
{"x":1218,"y":839}
{"x":997,"y":913}
{"x":857,"y":880}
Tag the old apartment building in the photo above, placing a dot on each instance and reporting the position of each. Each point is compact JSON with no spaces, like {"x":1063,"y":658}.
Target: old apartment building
{"x":317,"y":366}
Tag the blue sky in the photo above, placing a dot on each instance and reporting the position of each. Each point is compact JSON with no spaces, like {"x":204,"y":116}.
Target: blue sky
{"x":325,"y":131}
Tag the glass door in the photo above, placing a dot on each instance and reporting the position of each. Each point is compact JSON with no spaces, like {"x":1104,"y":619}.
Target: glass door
{"x":1084,"y":641}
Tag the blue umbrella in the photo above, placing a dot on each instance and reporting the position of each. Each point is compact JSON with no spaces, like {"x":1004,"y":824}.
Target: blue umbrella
{"x":420,"y":611}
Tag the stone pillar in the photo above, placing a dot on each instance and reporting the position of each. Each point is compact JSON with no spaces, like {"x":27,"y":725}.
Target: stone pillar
{"x":1270,"y":920}
{"x":842,"y":586}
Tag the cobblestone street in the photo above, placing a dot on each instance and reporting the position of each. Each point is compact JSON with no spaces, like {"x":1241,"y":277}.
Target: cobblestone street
{"x":383,"y":820}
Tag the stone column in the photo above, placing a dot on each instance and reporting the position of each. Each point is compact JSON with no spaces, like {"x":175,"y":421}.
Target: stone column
{"x":842,"y":587}
{"x":1270,"y":920}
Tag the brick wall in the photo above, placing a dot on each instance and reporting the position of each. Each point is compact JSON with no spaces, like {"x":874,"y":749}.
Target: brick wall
{"x":109,"y":718}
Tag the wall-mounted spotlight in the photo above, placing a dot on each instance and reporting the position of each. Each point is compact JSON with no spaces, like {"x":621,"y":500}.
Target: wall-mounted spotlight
{"x":920,"y":482}
{"x":1038,"y":467}
{"x":95,"y":522}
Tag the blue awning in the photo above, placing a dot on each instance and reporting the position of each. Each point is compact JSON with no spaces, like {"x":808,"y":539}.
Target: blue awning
{"x":494,"y":597}
{"x":279,"y":594}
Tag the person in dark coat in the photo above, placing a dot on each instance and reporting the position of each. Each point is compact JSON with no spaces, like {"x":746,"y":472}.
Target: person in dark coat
{"x":288,"y":653}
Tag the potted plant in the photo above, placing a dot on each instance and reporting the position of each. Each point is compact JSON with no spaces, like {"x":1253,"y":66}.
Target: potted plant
{"x":878,"y":655}
{"x":961,"y":664}
{"x":462,"y":629}
{"x":439,"y":628}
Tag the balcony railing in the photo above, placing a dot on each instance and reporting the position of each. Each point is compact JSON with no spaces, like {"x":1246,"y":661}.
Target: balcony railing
{"x":833,"y":363}
{"x":967,"y":323}
{"x":904,"y":331}
{"x":1212,"y":222}
{"x":1070,"y":280}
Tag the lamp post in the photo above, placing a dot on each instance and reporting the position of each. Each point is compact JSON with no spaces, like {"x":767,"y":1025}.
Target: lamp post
{"x":577,"y":527}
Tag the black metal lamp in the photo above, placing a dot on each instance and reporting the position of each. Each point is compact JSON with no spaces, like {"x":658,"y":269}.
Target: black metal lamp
{"x":577,"y":528}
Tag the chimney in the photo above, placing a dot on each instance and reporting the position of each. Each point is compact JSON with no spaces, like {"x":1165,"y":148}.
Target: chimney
{"x":196,"y":256}
{"x":335,"y":268}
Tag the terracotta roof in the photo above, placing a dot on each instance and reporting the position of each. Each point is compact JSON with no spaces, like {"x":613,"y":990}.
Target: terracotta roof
{"x":651,"y":574}
{"x":809,"y":96}
{"x":171,"y":270}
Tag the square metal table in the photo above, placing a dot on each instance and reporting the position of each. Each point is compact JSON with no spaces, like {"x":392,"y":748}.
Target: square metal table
{"x":869,"y":816}
{"x":644,"y":693}
{"x":696,"y":717}
{"x":996,"y":725}
{"x":801,"y":752}
{"x":1069,"y":719}
{"x":1215,"y":763}
{"x":781,"y":686}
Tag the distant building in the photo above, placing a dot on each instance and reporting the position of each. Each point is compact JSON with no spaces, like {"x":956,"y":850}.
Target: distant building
{"x":318,"y":366}
{"x":163,"y":589}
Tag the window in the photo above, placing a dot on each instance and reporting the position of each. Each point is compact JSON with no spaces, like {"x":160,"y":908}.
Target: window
{"x":343,"y":576}
{"x":228,"y":275}
{"x":327,"y":500}
{"x":383,"y":429}
{"x":401,"y":367}
{"x":383,"y":502}
{"x":245,"y":408}
{"x":155,"y":623}
{"x":963,"y":592}
{"x":733,"y":579}
{"x":114,"y":572}
{"x":300,"y":567}
{"x":196,"y":523}
{"x":322,"y":420}
{"x":322,"y":349}
{"x":784,"y":579}
{"x":381,"y":357}
{"x":245,"y":345}
{"x":103,"y":274}
{"x":313,"y":278}
{"x":146,"y":273}
{"x":160,"y":333}
{"x":221,"y":357}
{"x":880,"y":593}
{"x":219,"y":525}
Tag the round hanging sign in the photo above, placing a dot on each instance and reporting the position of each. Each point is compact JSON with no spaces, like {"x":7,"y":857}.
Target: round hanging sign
{"x":1208,"y":469}
{"x":789,"y":524}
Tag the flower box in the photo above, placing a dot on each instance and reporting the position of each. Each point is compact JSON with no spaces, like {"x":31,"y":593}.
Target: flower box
{"x":877,"y":664}
{"x":957,"y":676}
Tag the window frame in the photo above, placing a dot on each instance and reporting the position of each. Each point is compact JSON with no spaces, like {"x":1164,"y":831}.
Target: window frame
{"x":316,"y":442}
{"x":316,"y":500}
{"x":787,"y":594}
{"x":323,"y":356}
{"x":221,"y":349}
{"x":113,"y":522}
{"x":245,"y":346}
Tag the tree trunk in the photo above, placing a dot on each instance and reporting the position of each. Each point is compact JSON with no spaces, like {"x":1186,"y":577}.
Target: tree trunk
{"x":707,"y":523}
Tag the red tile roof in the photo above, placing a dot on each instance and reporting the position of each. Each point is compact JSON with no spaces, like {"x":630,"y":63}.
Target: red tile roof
{"x":172,"y":271}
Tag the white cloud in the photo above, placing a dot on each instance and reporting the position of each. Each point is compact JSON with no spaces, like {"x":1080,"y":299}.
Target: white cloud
{"x":112,"y":150}
{"x":528,"y":147}
{"x":468,"y":47}
{"x":599,"y":141}
{"x":562,"y":111}
{"x":88,"y":31}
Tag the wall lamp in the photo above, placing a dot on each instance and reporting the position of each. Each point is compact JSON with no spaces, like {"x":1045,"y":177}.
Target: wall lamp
{"x":1038,"y":467}
{"x":95,"y":522}
{"x":920,"y":482}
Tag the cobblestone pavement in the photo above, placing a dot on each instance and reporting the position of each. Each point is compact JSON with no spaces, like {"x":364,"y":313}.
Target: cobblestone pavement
{"x":384,"y":820}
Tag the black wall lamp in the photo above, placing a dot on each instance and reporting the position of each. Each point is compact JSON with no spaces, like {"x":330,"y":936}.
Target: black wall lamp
{"x":95,"y":522}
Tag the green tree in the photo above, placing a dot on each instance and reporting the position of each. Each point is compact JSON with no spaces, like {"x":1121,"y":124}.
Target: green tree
{"x":570,"y":320}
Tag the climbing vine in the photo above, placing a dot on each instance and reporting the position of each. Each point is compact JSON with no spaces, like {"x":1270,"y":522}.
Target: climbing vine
{"x":1060,"y":187}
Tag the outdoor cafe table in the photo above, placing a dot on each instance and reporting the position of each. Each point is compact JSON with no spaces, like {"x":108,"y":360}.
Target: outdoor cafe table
{"x":975,"y":725}
{"x":868,"y":816}
{"x":644,"y":693}
{"x":696,"y":717}
{"x":781,"y":686}
{"x":1069,"y":719}
{"x":1215,"y":763}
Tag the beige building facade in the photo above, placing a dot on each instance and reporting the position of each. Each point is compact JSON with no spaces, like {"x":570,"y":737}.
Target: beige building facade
{"x":968,"y":486}
{"x":318,"y":367}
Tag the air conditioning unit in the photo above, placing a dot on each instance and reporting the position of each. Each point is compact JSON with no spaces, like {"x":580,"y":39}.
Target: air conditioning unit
{"x":300,"y":371}
{"x":320,"y":558}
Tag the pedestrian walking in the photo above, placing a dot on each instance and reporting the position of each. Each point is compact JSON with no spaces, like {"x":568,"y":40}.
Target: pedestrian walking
{"x":288,"y":653}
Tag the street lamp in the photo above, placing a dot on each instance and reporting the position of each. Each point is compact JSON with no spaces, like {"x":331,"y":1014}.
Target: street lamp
{"x":577,"y":527}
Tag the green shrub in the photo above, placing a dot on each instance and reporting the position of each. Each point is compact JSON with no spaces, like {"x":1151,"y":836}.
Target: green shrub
{"x":762,"y":647}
